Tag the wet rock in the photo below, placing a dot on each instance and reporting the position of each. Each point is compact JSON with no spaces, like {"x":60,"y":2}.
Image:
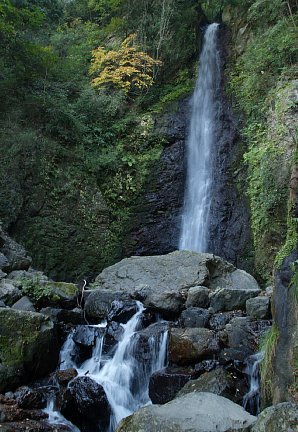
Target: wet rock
{"x":278,"y":418}
{"x":258,"y":307}
{"x":98,"y":303}
{"x":86,"y":405}
{"x":114,"y":333}
{"x":29,"y":398}
{"x":191,"y":345}
{"x":198,"y":412}
{"x":166,"y":383}
{"x":194,"y":317}
{"x":33,"y":426}
{"x":206,"y":366}
{"x":241,"y":338}
{"x":74,"y":316}
{"x":218,"y":381}
{"x":122,"y":311}
{"x":85,"y":335}
{"x":63,"y":377}
{"x":28,"y":347}
{"x":24,"y":304}
{"x":198,"y":297}
{"x":147,"y":341}
{"x":11,"y":412}
{"x":8,"y":293}
{"x":218,"y":321}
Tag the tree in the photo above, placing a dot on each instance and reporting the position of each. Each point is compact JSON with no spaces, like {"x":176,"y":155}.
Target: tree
{"x":128,"y":69}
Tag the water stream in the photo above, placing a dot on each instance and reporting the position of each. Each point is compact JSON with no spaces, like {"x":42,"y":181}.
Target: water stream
{"x":251,"y":400}
{"x":124,"y":377}
{"x":200,"y":148}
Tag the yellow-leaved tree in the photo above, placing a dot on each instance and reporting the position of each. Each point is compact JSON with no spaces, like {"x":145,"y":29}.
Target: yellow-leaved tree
{"x":129,"y":68}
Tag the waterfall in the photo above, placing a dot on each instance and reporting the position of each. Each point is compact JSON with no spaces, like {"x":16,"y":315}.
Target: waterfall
{"x":200,"y":148}
{"x":123,"y":375}
{"x":251,"y":400}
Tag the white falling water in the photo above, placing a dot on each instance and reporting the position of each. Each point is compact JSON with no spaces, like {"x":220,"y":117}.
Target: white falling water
{"x":200,"y":148}
{"x":251,"y":401}
{"x":124,"y":378}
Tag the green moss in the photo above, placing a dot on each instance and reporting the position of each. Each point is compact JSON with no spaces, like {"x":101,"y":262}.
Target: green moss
{"x":268,"y":346}
{"x":42,"y":292}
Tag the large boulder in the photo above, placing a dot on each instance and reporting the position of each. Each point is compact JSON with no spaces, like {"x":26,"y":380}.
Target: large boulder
{"x":162,"y":282}
{"x":190,"y":345}
{"x":258,"y":307}
{"x":278,"y":418}
{"x":98,"y":303}
{"x":231,"y":290}
{"x":242,"y":340}
{"x":28,"y":347}
{"x":9,"y":294}
{"x":24,"y":304}
{"x":194,"y":317}
{"x":17,"y":256}
{"x":166,"y":383}
{"x":218,"y":381}
{"x":194,"y":412}
{"x":86,"y":405}
{"x":198,"y":297}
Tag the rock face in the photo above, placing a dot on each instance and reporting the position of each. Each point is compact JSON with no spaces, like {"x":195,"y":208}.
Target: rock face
{"x":155,"y":226}
{"x":162,"y":282}
{"x":195,"y":412}
{"x":28,"y":347}
{"x":278,"y":418}
{"x":286,"y":319}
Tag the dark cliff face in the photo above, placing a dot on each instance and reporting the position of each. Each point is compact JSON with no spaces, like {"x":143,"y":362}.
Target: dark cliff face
{"x":155,"y":226}
{"x":229,"y":234}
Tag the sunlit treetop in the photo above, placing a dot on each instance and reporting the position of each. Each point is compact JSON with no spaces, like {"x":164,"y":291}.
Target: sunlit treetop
{"x":128,"y":68}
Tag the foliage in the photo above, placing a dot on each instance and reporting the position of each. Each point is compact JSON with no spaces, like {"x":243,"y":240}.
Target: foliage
{"x":268,"y":346}
{"x":128,"y":68}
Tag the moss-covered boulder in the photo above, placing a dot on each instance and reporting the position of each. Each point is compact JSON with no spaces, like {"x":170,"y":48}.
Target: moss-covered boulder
{"x":48,"y":293}
{"x":28,"y":347}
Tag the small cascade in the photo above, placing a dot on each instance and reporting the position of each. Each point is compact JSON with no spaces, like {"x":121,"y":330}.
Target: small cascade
{"x":200,"y":148}
{"x":56,"y":418}
{"x":251,"y":400}
{"x":123,"y":372}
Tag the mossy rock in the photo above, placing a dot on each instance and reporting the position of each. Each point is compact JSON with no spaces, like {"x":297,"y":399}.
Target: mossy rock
{"x":49,"y":293}
{"x":28,"y":347}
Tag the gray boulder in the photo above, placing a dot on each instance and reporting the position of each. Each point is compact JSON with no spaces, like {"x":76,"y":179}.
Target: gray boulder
{"x":162,"y":282}
{"x":232,"y":290}
{"x":4,"y":263}
{"x":98,"y":303}
{"x":258,"y":307}
{"x":16,"y":254}
{"x":198,"y":297}
{"x":241,"y":339}
{"x":194,"y":317}
{"x":278,"y":418}
{"x":190,"y":345}
{"x":217,"y":381}
{"x":24,"y":304}
{"x":9,"y":294}
{"x":194,"y":412}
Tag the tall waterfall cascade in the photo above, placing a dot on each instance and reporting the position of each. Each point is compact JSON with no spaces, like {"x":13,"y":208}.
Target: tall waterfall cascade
{"x":200,"y":147}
